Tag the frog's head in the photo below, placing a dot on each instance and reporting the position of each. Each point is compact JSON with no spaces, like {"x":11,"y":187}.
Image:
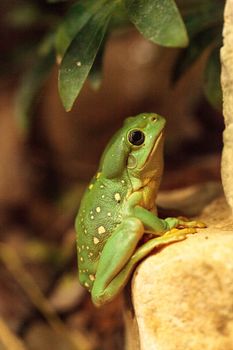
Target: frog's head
{"x":145,"y":137}
{"x":137,"y":147}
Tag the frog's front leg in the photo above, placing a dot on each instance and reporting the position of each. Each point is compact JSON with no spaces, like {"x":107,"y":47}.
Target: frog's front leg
{"x":154,"y":224}
{"x":117,"y":251}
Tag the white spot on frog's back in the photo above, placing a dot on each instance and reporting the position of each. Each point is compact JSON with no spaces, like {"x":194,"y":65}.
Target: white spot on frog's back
{"x":96,"y":240}
{"x":92,"y":277}
{"x":90,"y":186}
{"x":117,"y":197}
{"x":98,"y":209}
{"x":101,"y":230}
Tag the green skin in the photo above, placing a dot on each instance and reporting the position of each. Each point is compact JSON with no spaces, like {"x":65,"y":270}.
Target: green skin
{"x":118,"y":209}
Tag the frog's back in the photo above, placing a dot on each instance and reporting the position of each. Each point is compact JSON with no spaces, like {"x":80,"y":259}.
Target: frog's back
{"x":99,"y":213}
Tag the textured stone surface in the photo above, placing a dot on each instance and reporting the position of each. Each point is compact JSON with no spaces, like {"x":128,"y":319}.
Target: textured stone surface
{"x":183,"y":295}
{"x":227,"y":87}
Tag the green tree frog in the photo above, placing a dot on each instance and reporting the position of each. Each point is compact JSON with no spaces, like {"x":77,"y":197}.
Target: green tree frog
{"x":118,"y":209}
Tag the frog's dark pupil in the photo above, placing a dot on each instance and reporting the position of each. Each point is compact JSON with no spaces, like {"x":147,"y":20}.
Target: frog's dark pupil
{"x":136,"y":137}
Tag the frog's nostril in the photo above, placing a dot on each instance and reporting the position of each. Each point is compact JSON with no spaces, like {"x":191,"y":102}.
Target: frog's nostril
{"x":154,"y":119}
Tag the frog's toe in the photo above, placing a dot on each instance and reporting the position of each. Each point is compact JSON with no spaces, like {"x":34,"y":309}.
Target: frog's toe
{"x":192,"y":224}
{"x":188,"y":231}
{"x":180,"y":233}
{"x":200,"y":224}
{"x":172,"y":231}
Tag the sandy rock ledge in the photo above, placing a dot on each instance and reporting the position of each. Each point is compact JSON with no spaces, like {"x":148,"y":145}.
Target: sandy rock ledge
{"x":227,"y":88}
{"x":183,"y":295}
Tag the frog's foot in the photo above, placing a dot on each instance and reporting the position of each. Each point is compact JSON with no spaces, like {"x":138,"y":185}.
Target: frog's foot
{"x":185,"y":223}
{"x":173,"y":235}
{"x":177,"y":234}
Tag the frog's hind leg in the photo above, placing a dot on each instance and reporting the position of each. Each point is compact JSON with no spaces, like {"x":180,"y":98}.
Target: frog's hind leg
{"x":170,"y":236}
{"x":116,"y":253}
{"x":120,"y":280}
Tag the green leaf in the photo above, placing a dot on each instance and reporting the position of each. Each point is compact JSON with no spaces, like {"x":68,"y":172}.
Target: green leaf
{"x":75,"y":19}
{"x":81,"y":54}
{"x":158,"y":21}
{"x":95,"y":74}
{"x":212,"y":85}
{"x":29,"y":88}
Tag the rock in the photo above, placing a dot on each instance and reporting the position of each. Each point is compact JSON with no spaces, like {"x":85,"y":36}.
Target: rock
{"x":227,"y":87}
{"x":182,"y":295}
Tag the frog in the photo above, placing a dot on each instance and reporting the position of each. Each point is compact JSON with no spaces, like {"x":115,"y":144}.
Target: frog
{"x":117,"y":223}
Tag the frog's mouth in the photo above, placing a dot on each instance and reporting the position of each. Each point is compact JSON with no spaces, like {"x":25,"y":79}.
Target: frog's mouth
{"x":152,"y":158}
{"x":156,"y":145}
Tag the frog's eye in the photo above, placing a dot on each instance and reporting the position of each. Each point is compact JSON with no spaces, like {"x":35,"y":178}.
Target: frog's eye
{"x":136,"y":137}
